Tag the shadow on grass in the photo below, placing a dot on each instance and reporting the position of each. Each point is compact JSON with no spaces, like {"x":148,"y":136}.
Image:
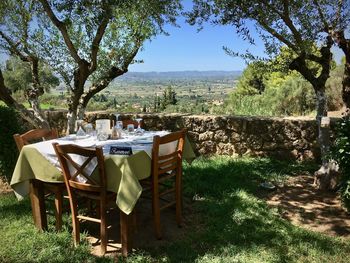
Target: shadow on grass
{"x":235,"y":225}
{"x":14,"y":209}
{"x":225,"y":222}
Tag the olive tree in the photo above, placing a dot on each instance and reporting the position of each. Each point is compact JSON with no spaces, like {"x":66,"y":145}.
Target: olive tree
{"x":88,"y":43}
{"x":295,"y":24}
{"x":15,"y":40}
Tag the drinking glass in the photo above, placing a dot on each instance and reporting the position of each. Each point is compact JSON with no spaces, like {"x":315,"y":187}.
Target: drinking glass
{"x":120,"y":125}
{"x":103,"y":129}
{"x":139,"y":131}
{"x":101,"y":133}
{"x":130,"y":128}
{"x":89,"y":129}
{"x":116,"y":117}
{"x":79,"y":128}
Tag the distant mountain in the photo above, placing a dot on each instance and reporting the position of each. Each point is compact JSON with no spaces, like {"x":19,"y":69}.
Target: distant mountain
{"x":179,"y":75}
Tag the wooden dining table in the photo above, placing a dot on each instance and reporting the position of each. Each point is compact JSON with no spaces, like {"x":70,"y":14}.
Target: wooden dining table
{"x":38,"y":163}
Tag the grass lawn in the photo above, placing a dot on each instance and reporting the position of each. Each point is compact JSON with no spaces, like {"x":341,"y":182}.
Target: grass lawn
{"x":234,"y":224}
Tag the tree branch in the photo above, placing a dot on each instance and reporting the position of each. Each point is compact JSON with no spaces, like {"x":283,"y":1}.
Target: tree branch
{"x":337,"y":17}
{"x":322,"y":17}
{"x":13,"y":48}
{"x":62,"y":28}
{"x":111,"y":74}
{"x":299,"y":64}
{"x":5,"y":96}
{"x":95,"y":88}
{"x":274,"y":33}
{"x":285,"y":16}
{"x":293,"y":29}
{"x":96,"y":43}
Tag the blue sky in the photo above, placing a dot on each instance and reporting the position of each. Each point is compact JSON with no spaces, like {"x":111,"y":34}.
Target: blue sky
{"x":187,"y":49}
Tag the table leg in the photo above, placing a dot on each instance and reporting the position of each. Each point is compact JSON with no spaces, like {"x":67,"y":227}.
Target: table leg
{"x":37,"y":198}
{"x":125,"y":232}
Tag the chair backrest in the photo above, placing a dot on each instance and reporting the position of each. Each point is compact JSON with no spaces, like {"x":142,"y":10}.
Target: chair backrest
{"x":135,"y":123}
{"x":74,"y":172}
{"x":34,"y":135}
{"x":171,"y":159}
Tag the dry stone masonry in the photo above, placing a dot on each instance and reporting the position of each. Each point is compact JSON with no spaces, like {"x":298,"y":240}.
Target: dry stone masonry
{"x":284,"y":138}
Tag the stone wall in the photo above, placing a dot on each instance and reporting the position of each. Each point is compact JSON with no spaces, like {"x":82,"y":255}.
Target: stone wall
{"x":283,"y":138}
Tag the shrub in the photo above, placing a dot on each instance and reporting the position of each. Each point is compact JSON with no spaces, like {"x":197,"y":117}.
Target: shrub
{"x":341,"y":153}
{"x":8,"y":151}
{"x":286,"y":96}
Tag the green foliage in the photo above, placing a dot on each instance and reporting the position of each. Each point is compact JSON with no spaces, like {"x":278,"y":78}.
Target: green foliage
{"x":341,"y":154}
{"x":100,"y":98}
{"x":8,"y":151}
{"x":168,"y":98}
{"x":296,"y":24}
{"x":252,"y":79}
{"x":285,"y":94}
{"x":18,"y":75}
{"x":53,"y":101}
{"x":334,"y":88}
{"x":130,"y":24}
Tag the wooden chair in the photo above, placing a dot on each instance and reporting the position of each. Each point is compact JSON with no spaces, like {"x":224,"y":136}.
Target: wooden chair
{"x":91,"y":189}
{"x":57,"y":189}
{"x":166,"y":168}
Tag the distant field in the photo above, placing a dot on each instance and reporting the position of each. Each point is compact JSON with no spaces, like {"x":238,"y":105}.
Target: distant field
{"x":196,"y":91}
{"x":190,"y":89}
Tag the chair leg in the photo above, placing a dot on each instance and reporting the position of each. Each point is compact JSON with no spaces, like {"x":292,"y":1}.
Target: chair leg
{"x":98,"y":210}
{"x":103,"y":227}
{"x":58,"y":209}
{"x":156,"y":211}
{"x":75,"y":220}
{"x":178,"y":197}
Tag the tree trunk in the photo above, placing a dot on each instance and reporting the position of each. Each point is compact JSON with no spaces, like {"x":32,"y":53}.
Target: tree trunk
{"x":5,"y":95}
{"x":327,"y":177}
{"x":81,"y":112}
{"x":80,"y":76}
{"x":346,"y":83}
{"x":96,"y":87}
{"x":321,"y":111}
{"x":38,"y":115}
{"x":71,"y":118}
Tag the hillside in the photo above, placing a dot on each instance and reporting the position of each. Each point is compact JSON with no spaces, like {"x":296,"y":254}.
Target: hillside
{"x":178,"y":75}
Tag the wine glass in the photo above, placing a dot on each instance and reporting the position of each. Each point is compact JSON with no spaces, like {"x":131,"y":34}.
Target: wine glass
{"x":89,"y":129}
{"x":80,"y":131}
{"x":139,"y":130}
{"x":116,"y":117}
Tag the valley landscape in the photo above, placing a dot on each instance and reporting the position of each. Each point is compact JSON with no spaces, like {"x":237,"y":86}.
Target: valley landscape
{"x":195,"y":91}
